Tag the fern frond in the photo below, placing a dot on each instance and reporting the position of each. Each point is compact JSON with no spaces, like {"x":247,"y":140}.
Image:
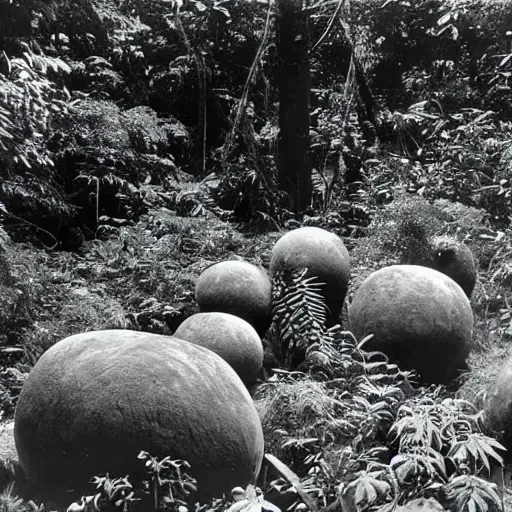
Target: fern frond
{"x":300,"y":312}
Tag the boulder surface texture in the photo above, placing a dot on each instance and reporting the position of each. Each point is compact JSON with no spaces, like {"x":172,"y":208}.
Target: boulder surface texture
{"x":229,"y":336}
{"x":238,"y":288}
{"x":420,"y":318}
{"x":94,"y":400}
{"x":455,"y":259}
{"x":325,"y":256}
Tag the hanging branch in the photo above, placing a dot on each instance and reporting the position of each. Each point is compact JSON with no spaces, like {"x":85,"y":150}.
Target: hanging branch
{"x":201,"y":75}
{"x":245,"y":93}
{"x":364,"y":90}
{"x":348,"y":96}
{"x":36,"y":227}
{"x":329,"y":25}
{"x":348,"y":89}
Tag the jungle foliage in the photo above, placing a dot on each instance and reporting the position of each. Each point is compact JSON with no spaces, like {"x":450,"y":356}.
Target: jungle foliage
{"x":138,"y":127}
{"x":404,"y":96}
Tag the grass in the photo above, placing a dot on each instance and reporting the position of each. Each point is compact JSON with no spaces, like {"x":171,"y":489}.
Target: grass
{"x":145,"y":278}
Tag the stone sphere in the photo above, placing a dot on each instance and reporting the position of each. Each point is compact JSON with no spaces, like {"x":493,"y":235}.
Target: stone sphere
{"x":229,"y":336}
{"x":94,"y":400}
{"x":238,"y":288}
{"x":325,"y":256}
{"x":498,"y":408}
{"x":420,"y":318}
{"x":455,"y":259}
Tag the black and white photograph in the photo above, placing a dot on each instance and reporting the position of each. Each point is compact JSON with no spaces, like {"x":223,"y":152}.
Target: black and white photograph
{"x":255,"y":255}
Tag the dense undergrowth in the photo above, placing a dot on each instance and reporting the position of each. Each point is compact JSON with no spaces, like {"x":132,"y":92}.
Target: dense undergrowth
{"x":336,"y":423}
{"x":98,"y":124}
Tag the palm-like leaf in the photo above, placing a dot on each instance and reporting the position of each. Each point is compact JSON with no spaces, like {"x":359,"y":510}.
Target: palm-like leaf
{"x":476,"y":449}
{"x":299,"y":311}
{"x":468,"y":493}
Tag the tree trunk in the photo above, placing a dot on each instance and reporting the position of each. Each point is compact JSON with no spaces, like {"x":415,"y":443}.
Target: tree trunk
{"x":294,"y":86}
{"x":365,"y":92}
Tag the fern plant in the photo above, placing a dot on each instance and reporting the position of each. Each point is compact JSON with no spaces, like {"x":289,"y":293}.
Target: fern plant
{"x":28,"y":102}
{"x":299,"y":313}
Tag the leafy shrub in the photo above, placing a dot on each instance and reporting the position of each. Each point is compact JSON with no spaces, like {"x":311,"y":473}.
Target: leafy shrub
{"x":9,"y":501}
{"x":168,"y":486}
{"x":466,"y":163}
{"x":105,"y":155}
{"x":30,"y":100}
{"x":146,"y":135}
{"x":402,"y":232}
{"x":354,"y":429}
{"x":251,"y":194}
{"x":449,"y":41}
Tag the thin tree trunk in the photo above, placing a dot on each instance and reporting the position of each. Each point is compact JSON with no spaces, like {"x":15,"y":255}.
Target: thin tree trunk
{"x":363,"y":87}
{"x":365,"y":92}
{"x":294,"y":87}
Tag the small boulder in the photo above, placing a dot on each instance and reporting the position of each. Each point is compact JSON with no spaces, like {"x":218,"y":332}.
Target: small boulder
{"x":420,"y":318}
{"x":229,"y":336}
{"x":238,"y":288}
{"x":94,"y":400}
{"x":455,"y":259}
{"x":325,"y":256}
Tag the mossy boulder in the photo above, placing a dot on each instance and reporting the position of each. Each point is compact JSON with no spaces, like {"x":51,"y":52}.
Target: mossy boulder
{"x":238,"y":288}
{"x":94,"y":400}
{"x":455,"y":259}
{"x":498,"y":409}
{"x":419,"y":317}
{"x":229,"y":336}
{"x":325,"y":256}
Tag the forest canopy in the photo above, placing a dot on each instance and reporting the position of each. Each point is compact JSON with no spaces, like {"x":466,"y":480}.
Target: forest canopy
{"x":102,"y":98}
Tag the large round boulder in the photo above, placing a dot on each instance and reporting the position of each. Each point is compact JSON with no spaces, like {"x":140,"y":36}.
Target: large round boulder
{"x":456,"y":260}
{"x":94,"y":400}
{"x":498,"y":408}
{"x":229,"y":336}
{"x":419,"y":317}
{"x":238,"y":288}
{"x":325,"y":256}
